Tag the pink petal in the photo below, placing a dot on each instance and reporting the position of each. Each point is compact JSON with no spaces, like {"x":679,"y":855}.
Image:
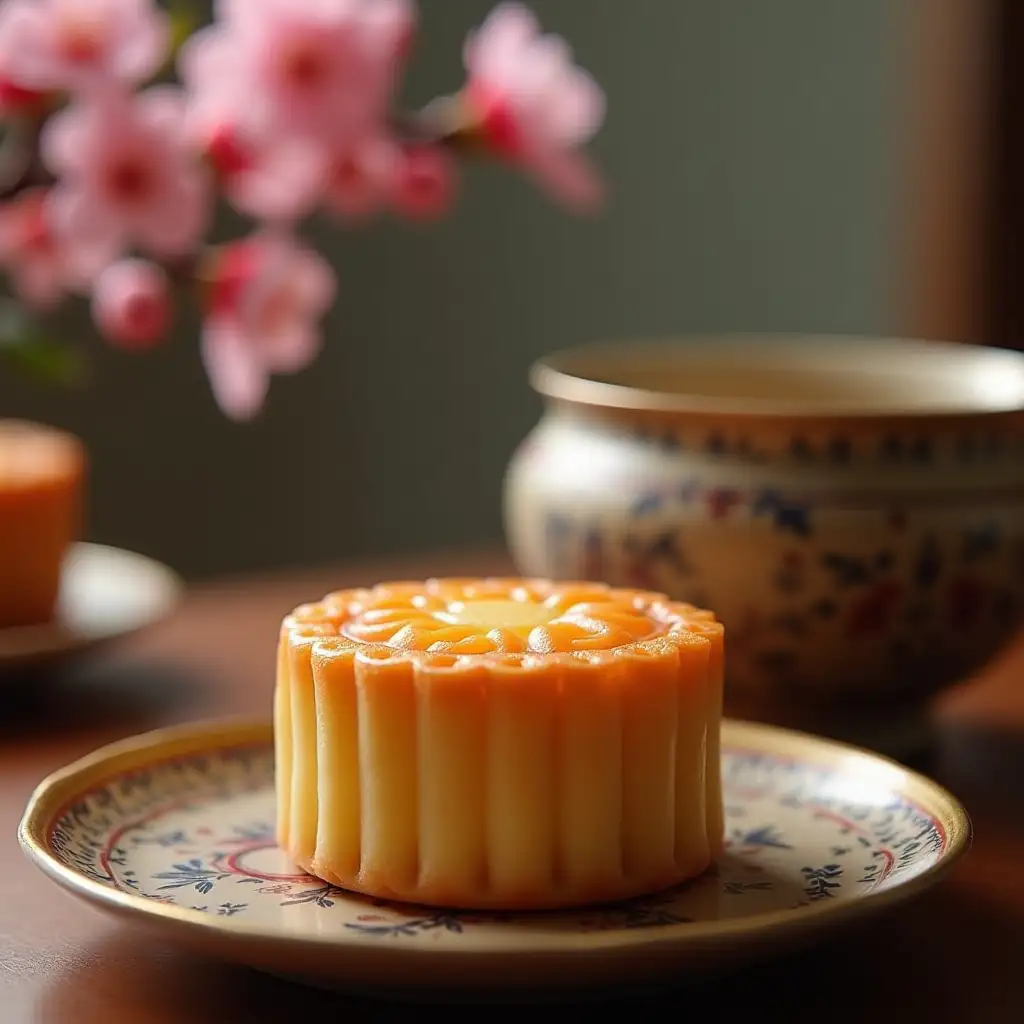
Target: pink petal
{"x":17,"y":17}
{"x":285,"y":184}
{"x":291,"y":350}
{"x":392,"y":23}
{"x":241,"y":13}
{"x":507,"y":29}
{"x":205,"y":57}
{"x":146,"y":46}
{"x":364,"y":178}
{"x":238,"y":379}
{"x":22,"y":50}
{"x":550,"y":60}
{"x":577,"y":112}
{"x":569,"y":178}
{"x":217,"y":109}
{"x":85,"y":258}
{"x":89,"y":238}
{"x":425,"y":183}
{"x":162,"y":108}
{"x":315,"y":282}
{"x":325,"y":11}
{"x":65,"y":143}
{"x":131,"y":303}
{"x":175,"y":223}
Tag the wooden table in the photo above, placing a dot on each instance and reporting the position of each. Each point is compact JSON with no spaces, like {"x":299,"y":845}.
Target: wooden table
{"x":956,"y":954}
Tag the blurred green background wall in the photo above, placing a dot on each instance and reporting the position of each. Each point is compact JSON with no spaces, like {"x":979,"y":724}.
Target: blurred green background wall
{"x":751,"y":151}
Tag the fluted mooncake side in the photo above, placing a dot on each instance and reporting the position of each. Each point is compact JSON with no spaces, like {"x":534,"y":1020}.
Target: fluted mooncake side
{"x":499,"y":743}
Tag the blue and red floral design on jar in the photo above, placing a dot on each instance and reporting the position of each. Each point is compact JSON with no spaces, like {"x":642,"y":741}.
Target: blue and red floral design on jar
{"x":876,"y":556}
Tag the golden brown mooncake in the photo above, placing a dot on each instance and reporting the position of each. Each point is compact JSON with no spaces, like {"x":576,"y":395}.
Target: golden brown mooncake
{"x":499,"y":743}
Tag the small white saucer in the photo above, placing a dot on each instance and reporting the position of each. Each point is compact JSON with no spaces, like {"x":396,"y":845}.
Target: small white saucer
{"x":106,"y":593}
{"x":174,"y":830}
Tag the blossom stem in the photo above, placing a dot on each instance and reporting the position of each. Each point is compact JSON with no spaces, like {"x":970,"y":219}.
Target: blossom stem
{"x":446,"y":122}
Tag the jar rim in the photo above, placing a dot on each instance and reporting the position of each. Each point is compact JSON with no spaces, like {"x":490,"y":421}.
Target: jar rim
{"x":789,"y":376}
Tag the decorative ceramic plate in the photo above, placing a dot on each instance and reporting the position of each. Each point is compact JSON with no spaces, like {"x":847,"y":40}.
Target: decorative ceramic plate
{"x":173,"y":829}
{"x":105,"y":593}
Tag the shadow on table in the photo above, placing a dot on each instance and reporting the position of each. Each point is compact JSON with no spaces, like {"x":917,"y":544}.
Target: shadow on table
{"x":84,"y":697}
{"x":894,"y":966}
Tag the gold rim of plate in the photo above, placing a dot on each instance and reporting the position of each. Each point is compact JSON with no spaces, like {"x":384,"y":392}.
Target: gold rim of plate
{"x":54,"y":793}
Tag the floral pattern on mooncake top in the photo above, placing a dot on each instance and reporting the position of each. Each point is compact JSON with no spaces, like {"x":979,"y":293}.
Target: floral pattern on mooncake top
{"x":445,"y":619}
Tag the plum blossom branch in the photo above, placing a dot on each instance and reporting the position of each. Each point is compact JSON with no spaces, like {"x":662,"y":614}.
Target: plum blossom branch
{"x":109,"y":174}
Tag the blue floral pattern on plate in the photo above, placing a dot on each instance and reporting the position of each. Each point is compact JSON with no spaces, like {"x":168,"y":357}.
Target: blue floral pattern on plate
{"x":196,"y":833}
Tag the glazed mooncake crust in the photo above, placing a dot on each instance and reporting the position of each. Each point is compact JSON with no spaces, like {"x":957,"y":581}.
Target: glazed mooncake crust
{"x":502,"y":744}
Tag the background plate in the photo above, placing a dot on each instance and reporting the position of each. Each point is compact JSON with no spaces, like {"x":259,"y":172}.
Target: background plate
{"x":106,"y":593}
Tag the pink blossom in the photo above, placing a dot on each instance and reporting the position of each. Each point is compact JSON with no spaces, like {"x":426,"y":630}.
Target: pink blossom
{"x":126,"y":178}
{"x":14,"y":97}
{"x":31,"y":253}
{"x":131,"y":303}
{"x":424,"y":182}
{"x":281,"y":182}
{"x":77,"y":45}
{"x":535,"y":106}
{"x":270,"y":178}
{"x":321,"y":68}
{"x":362,"y":177}
{"x":266,"y":297}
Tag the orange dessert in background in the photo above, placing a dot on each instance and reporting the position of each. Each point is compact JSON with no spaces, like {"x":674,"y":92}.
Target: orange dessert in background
{"x":42,"y":473}
{"x":503,"y":744}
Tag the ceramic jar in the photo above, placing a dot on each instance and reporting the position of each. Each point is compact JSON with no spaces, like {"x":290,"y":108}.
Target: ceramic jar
{"x":853,"y":509}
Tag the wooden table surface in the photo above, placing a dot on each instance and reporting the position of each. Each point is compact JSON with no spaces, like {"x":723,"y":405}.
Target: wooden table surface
{"x":955,"y":954}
